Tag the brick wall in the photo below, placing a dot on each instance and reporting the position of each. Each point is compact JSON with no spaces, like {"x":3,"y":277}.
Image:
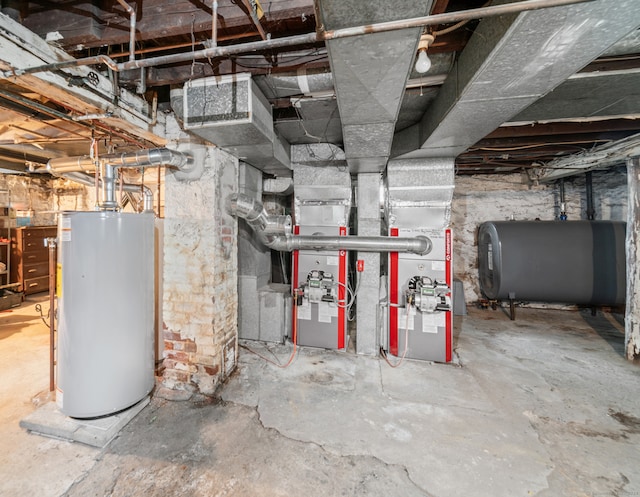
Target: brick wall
{"x":200,"y":278}
{"x":500,"y":197}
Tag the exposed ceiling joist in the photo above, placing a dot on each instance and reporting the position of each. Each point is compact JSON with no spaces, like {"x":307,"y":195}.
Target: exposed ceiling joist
{"x":603,"y":157}
{"x":90,"y":93}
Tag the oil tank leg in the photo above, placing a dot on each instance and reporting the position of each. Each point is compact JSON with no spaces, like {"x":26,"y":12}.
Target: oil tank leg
{"x":512,"y":306}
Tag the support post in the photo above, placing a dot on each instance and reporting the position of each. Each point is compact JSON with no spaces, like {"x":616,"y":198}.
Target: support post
{"x":632,"y":316}
{"x":369,"y":285}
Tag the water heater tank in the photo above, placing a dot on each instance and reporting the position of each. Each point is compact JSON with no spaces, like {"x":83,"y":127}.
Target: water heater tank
{"x":577,"y":262}
{"x":105,"y":311}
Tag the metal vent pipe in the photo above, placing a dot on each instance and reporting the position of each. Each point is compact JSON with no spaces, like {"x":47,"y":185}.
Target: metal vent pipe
{"x":140,"y":158}
{"x":275,"y":233}
{"x":107,"y":164}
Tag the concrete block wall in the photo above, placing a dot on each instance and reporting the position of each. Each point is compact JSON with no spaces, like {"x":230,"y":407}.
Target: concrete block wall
{"x":483,"y":198}
{"x":200,"y":278}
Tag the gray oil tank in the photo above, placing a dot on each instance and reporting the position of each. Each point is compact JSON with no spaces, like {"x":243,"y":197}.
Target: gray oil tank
{"x":105,"y":310}
{"x":577,"y":262}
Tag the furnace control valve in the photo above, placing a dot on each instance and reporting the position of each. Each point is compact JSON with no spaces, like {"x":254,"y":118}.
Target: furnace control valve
{"x":428,"y":295}
{"x":320,"y":287}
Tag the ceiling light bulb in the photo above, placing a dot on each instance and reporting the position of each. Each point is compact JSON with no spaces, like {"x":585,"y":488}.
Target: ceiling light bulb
{"x":423,"y":64}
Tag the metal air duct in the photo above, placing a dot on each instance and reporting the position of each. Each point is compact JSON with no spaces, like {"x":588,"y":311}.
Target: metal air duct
{"x":231,"y":112}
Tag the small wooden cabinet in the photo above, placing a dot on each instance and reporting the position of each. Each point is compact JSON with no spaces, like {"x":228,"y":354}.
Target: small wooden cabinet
{"x":30,"y":257}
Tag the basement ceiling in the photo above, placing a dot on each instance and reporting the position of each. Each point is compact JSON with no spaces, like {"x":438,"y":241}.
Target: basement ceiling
{"x":597,"y":103}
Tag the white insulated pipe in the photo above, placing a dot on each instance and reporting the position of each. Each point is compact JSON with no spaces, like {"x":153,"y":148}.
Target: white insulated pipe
{"x":275,"y":233}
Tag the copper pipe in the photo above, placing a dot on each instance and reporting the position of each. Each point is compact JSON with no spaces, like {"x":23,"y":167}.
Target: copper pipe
{"x":189,"y":44}
{"x":51,"y":244}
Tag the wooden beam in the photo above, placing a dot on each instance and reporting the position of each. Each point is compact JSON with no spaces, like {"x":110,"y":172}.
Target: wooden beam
{"x":439,"y":7}
{"x":566,"y":128}
{"x":20,"y":48}
{"x":632,"y":313}
{"x":158,"y":19}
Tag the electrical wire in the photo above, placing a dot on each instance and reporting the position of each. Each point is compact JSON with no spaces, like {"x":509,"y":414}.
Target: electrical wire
{"x":406,"y":341}
{"x":450,"y":28}
{"x":351,"y":296}
{"x":277,"y":364}
{"x":289,"y":63}
{"x":456,"y":25}
{"x":38,"y":308}
{"x":355,"y":295}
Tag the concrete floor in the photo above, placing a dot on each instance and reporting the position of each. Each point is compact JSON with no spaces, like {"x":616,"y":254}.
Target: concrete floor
{"x":544,"y":406}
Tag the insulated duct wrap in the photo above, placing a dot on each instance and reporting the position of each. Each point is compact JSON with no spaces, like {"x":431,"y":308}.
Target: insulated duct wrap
{"x":575,"y":262}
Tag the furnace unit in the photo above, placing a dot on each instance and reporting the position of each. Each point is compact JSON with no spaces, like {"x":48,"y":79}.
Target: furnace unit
{"x":322,"y":205}
{"x":419,"y":300}
{"x":420,"y":307}
{"x":322,"y":309}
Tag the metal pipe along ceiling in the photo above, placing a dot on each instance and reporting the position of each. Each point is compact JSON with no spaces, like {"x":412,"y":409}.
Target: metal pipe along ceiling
{"x":449,"y":17}
{"x":275,"y":233}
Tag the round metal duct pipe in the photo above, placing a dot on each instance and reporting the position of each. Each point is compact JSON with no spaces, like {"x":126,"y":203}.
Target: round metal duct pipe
{"x":275,"y":233}
{"x":574,"y":262}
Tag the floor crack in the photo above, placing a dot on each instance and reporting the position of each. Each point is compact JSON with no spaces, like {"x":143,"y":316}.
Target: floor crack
{"x":330,"y":451}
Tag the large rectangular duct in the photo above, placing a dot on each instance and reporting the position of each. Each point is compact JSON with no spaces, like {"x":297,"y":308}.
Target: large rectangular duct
{"x":322,"y":195}
{"x":419,"y":192}
{"x":370,"y":74}
{"x":510,"y":62}
{"x":231,"y":112}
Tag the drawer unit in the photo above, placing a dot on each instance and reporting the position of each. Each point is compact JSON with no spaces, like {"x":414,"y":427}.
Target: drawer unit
{"x":30,"y":257}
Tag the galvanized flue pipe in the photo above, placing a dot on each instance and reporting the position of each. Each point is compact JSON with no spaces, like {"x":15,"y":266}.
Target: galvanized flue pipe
{"x":275,"y":233}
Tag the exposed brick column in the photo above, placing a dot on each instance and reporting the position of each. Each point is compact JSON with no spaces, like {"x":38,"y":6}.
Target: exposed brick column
{"x":200,"y":278}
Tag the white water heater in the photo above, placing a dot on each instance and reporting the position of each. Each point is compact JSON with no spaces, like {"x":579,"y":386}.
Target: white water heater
{"x":105,"y":290}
